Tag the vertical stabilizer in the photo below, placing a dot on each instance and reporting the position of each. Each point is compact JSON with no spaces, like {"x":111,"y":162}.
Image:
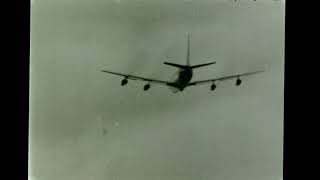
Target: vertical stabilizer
{"x":188,"y":50}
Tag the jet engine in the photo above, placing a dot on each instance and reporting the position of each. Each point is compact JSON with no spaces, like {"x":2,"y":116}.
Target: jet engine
{"x":146,"y":87}
{"x":238,"y":82}
{"x":124,"y":82}
{"x":213,"y":87}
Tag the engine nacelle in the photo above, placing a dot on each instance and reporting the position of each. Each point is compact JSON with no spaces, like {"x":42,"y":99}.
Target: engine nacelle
{"x":238,"y":82}
{"x":146,"y":87}
{"x":213,"y":87}
{"x":124,"y":82}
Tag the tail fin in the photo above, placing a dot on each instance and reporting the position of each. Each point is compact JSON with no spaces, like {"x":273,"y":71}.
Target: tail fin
{"x":188,"y":50}
{"x":201,"y":65}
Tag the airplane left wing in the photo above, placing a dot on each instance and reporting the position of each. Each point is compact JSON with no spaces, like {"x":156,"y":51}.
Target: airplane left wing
{"x":132,"y":77}
{"x":221,"y":78}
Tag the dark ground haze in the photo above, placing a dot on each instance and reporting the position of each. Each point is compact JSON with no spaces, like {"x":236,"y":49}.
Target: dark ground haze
{"x":84,"y":125}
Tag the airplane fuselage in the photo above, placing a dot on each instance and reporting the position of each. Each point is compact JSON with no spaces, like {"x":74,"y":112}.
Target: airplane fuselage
{"x":184,"y":77}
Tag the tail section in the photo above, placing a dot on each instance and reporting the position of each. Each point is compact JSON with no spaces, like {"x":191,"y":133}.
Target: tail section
{"x":188,"y":57}
{"x":188,"y":66}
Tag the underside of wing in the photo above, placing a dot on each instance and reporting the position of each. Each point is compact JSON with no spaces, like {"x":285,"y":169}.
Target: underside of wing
{"x":133,"y":77}
{"x":238,"y":82}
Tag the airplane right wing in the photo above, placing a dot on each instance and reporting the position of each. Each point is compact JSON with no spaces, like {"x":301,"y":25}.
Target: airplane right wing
{"x":221,"y":78}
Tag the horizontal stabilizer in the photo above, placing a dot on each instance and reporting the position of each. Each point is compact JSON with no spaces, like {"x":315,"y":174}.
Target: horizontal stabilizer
{"x":201,"y":65}
{"x":175,"y":65}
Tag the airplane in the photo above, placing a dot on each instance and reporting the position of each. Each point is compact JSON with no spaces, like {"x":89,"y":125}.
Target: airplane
{"x":184,"y":75}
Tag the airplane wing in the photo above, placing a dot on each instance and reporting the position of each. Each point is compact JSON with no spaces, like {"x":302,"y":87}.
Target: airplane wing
{"x":132,"y":77}
{"x":221,"y":78}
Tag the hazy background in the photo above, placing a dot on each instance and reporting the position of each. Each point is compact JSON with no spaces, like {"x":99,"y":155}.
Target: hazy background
{"x":84,"y":125}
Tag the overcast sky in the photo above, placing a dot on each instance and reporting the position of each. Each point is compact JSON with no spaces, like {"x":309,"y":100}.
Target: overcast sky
{"x":84,"y":125}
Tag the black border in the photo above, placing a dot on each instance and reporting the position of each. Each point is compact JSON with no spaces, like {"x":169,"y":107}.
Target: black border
{"x":298,"y":143}
{"x":16,"y":33}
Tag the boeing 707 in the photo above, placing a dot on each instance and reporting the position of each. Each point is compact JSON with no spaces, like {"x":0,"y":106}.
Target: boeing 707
{"x":184,"y":76}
